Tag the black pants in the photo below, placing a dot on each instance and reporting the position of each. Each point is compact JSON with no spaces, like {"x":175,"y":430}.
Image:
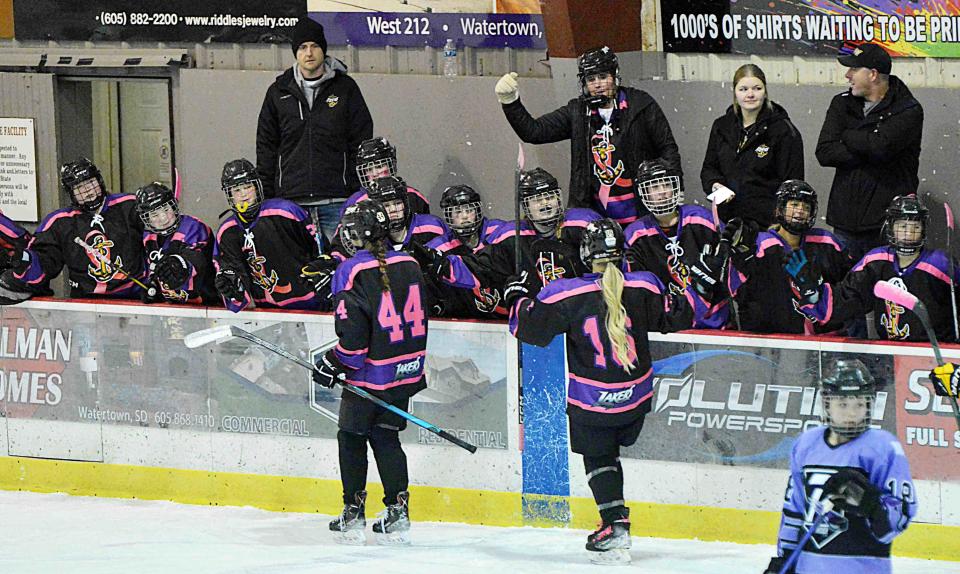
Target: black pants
{"x":361,"y":422}
{"x":600,"y":447}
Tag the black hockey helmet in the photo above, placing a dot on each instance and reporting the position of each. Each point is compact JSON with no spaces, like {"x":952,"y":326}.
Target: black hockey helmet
{"x":462,"y":199}
{"x":376,"y":157}
{"x":593,"y":62}
{"x":905,"y":208}
{"x":158,"y":208}
{"x":537,"y":184}
{"x":237,"y":175}
{"x":602,"y":240}
{"x":363,"y":222}
{"x":82,"y":182}
{"x":849,"y":383}
{"x":652,"y":176}
{"x":796,"y":190}
{"x":389,"y":189}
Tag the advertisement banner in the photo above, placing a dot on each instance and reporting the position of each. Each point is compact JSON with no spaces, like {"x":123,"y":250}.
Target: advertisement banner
{"x":928,"y":29}
{"x":234,"y":21}
{"x":927,"y":428}
{"x":474,"y":23}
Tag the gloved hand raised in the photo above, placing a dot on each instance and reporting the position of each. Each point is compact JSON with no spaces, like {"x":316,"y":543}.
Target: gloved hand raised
{"x":508,"y":91}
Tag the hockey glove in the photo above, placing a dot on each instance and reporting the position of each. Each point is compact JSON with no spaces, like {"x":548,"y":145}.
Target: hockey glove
{"x":851,"y":490}
{"x":708,"y":276}
{"x":12,"y":256}
{"x":431,"y":260}
{"x":804,"y":282}
{"x":508,"y":91}
{"x":776,"y":563}
{"x":172,"y":270}
{"x":329,"y":370}
{"x":741,"y":236}
{"x":517,"y":286}
{"x":319,"y":274}
{"x":945,"y":379}
{"x":12,"y":290}
{"x":229,"y":283}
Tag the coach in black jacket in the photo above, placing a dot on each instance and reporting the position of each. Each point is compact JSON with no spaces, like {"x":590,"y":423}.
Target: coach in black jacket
{"x":638,"y":131}
{"x":312,"y":120}
{"x":872,"y":135}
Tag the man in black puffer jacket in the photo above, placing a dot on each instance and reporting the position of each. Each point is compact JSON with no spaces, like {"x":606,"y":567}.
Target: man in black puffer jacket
{"x":311,"y":122}
{"x":611,"y":130}
{"x":872,"y":135}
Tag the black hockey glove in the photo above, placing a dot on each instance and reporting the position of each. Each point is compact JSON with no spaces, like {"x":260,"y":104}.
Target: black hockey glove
{"x":804,"y":281}
{"x":776,"y":563}
{"x":319,"y":274}
{"x":741,"y":236}
{"x":708,"y":276}
{"x":851,"y":490}
{"x":329,"y":370}
{"x":229,"y":283}
{"x":12,"y":256}
{"x":172,"y":270}
{"x":946,"y":380}
{"x":431,"y":260}
{"x":517,"y":286}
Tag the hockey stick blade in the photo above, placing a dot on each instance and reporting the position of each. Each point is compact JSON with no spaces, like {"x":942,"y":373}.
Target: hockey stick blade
{"x":207,"y":336}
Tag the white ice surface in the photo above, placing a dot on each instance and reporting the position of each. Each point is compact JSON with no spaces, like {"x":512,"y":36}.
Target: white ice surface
{"x":66,"y":534}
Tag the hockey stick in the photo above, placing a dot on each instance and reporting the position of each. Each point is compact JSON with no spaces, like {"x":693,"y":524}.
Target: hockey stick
{"x":516,"y":210}
{"x":825,"y":508}
{"x":218,"y":333}
{"x":953,"y":294}
{"x":890,"y":292}
{"x":151,"y":291}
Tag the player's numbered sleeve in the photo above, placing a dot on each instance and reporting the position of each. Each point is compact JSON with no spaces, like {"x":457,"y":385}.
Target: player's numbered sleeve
{"x":352,"y":322}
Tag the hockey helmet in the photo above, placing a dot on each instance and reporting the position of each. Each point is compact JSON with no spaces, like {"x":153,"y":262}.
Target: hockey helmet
{"x":540,"y":197}
{"x":242,"y":186}
{"x":848,"y":396}
{"x":392,"y":193}
{"x":376,"y":157}
{"x":363,"y":222}
{"x":591,"y":63}
{"x":158,"y":208}
{"x":907,"y":239}
{"x":462,"y":209}
{"x":658,"y":186}
{"x":82,"y":182}
{"x":602,"y":240}
{"x":796,"y":190}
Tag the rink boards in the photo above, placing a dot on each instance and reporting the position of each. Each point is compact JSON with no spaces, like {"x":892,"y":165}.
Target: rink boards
{"x":106,"y":400}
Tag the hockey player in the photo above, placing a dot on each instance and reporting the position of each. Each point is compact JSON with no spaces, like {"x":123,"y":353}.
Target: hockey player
{"x":262,"y":247}
{"x":179,"y":249}
{"x":904,"y":262}
{"x":668,"y":240}
{"x":863,"y":471}
{"x":606,"y":317}
{"x":380,"y":320}
{"x":469,"y":232}
{"x":549,"y":242}
{"x":13,"y":244}
{"x":376,"y":158}
{"x":107,"y":223}
{"x":762,"y":286}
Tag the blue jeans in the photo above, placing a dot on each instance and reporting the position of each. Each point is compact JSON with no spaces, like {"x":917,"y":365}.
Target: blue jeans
{"x":325,"y":219}
{"x":858,"y":245}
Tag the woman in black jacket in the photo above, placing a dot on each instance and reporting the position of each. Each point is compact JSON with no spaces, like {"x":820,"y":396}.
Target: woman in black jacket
{"x":753,"y":148}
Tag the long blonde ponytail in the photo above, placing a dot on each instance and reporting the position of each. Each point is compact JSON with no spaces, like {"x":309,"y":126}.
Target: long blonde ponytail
{"x":616,"y":320}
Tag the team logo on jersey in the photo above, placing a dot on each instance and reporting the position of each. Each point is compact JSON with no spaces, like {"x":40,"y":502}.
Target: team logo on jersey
{"x":409,"y":369}
{"x":610,"y":399}
{"x":486,"y":299}
{"x":814,"y":477}
{"x":678,"y":270}
{"x":266,"y":280}
{"x":603,"y":165}
{"x":548,"y":268}
{"x":332,"y":100}
{"x":100,"y":268}
{"x":763,"y":150}
{"x":890,"y":321}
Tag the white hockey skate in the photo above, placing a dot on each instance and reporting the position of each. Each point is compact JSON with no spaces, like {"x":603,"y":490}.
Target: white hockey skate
{"x":392,"y":527}
{"x":349,"y":526}
{"x":610,"y":543}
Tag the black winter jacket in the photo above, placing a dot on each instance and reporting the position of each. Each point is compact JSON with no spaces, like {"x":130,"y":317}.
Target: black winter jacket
{"x":308,"y":154}
{"x":772,"y":153}
{"x":647,"y":135}
{"x":877,"y":156}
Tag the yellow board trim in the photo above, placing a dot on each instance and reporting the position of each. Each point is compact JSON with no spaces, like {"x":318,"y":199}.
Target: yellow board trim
{"x":432,"y":504}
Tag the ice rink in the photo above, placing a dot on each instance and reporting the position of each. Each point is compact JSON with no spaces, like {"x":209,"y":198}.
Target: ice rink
{"x":67,"y":534}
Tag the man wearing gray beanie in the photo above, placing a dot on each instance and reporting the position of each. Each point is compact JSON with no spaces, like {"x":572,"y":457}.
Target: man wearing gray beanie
{"x":312,"y":120}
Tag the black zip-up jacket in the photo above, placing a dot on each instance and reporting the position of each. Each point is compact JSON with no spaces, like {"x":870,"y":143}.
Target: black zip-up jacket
{"x":308,"y":154}
{"x":646,"y":135}
{"x":771,"y":154}
{"x":877,"y":156}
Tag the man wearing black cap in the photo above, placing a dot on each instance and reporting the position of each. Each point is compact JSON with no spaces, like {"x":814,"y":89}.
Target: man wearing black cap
{"x":311,"y":122}
{"x":871,"y":134}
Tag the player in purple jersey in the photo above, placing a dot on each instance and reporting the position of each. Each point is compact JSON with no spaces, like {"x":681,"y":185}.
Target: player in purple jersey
{"x":905,"y":262}
{"x":863,"y":471}
{"x":13,"y":255}
{"x":668,"y":240}
{"x":376,"y":158}
{"x":606,"y":316}
{"x":381,"y":323}
{"x":179,"y":249}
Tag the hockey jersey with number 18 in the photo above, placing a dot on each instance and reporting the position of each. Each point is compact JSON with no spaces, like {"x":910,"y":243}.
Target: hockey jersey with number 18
{"x":846,"y":543}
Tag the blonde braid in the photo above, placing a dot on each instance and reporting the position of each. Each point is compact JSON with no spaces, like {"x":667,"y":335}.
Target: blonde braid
{"x":379,"y":250}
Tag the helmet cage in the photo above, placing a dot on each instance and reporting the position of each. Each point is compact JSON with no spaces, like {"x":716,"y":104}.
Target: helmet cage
{"x":654,"y":200}
{"x":250,"y":207}
{"x":464,"y":229}
{"x":847,"y":429}
{"x":904,"y":245}
{"x":382,"y":167}
{"x":546,"y":214}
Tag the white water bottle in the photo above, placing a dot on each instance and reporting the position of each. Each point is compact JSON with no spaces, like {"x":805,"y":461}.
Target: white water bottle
{"x":450,"y":59}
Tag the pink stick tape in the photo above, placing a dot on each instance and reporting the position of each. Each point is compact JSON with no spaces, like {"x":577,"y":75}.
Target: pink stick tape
{"x":890,"y":292}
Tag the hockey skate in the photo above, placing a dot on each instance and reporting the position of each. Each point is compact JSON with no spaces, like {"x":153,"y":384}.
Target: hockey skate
{"x":349,"y":526}
{"x":610,"y":543}
{"x":392,"y":526}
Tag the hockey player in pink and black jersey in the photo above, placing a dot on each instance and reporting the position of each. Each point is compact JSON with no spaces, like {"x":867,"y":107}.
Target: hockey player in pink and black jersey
{"x":606,"y":316}
{"x":669,"y":239}
{"x":376,"y":158}
{"x":862,"y":471}
{"x":380,"y":319}
{"x":13,"y":242}
{"x":904,"y":262}
{"x":107,"y":223}
{"x":179,"y":249}
{"x":263,"y":247}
